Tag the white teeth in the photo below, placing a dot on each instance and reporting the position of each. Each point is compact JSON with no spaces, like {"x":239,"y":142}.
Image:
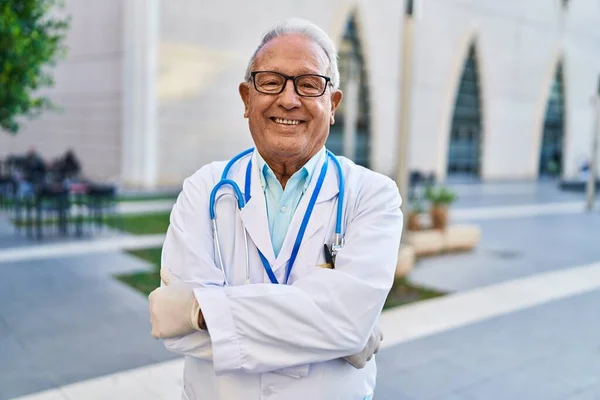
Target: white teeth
{"x":286,"y":121}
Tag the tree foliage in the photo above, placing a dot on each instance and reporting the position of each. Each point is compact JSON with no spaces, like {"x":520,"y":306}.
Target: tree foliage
{"x":31,"y":42}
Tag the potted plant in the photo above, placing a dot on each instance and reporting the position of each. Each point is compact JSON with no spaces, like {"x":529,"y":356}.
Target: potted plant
{"x":439,"y":198}
{"x":416,"y":209}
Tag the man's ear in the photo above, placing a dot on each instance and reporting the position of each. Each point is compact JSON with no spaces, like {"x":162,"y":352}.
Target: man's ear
{"x":244,"y":90}
{"x":336,"y":99}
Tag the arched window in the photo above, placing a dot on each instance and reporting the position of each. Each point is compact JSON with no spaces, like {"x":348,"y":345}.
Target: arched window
{"x":554,"y":128}
{"x":465,"y":134}
{"x":349,"y":135}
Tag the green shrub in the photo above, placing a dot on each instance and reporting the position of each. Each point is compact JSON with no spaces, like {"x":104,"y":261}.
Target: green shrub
{"x":440,"y":196}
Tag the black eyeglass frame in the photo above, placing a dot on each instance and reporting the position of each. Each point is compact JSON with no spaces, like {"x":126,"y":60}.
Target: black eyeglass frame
{"x":293,"y":79}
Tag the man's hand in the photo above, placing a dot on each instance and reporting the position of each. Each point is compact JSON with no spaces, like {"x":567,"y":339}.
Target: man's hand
{"x":359,"y":360}
{"x":174,"y":310}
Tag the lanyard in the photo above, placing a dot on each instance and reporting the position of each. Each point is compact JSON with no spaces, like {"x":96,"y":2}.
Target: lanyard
{"x":307,"y":214}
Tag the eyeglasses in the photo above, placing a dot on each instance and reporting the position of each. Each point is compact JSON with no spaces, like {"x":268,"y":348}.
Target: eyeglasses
{"x":306,"y":85}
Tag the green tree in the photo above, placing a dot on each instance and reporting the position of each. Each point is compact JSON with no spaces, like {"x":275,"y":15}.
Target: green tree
{"x":32,"y":36}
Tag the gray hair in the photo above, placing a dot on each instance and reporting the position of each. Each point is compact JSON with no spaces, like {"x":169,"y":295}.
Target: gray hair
{"x":308,"y":29}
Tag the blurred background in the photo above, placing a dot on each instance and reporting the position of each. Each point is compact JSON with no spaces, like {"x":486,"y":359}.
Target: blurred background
{"x":147,"y":90}
{"x":485,"y":112}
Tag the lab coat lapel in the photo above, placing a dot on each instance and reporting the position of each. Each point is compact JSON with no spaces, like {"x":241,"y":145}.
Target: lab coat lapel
{"x":254,"y":213}
{"x":320,"y":217}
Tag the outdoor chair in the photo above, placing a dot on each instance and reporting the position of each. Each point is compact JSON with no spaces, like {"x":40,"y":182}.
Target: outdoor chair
{"x":8,"y":189}
{"x":52,"y":207}
{"x":102,"y":203}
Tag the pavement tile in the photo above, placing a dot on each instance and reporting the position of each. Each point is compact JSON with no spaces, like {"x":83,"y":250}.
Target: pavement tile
{"x":514,"y":248}
{"x":166,"y":382}
{"x":387,"y":391}
{"x":529,"y":383}
{"x":556,"y":345}
{"x":579,"y":367}
{"x":73,"y":322}
{"x":592,"y":393}
{"x":435,"y":378}
{"x":111,"y":387}
{"x":53,"y":394}
{"x":397,"y":359}
{"x":17,"y":382}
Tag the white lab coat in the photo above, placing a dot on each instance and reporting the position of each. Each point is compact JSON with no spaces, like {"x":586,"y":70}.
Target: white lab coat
{"x":284,"y":342}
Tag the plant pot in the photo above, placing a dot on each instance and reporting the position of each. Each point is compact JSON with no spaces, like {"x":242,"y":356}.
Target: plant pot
{"x":439,"y":217}
{"x":414,"y":224}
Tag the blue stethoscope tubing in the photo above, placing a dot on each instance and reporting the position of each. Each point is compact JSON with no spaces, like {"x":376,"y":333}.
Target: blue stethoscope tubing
{"x":241,"y":202}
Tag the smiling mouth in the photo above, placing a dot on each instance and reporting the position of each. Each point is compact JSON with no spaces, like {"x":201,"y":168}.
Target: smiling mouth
{"x":289,"y":122}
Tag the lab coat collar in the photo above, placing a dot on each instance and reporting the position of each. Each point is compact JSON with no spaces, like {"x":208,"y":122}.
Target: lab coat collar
{"x":254,"y":214}
{"x":322,"y":215}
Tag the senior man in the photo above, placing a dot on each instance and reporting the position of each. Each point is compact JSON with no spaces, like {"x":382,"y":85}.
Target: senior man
{"x":281,"y":308}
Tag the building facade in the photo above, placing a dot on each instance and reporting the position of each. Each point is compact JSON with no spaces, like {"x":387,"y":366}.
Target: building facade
{"x":498,"y":90}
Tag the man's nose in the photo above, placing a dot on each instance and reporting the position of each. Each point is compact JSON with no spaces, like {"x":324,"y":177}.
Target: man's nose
{"x":289,"y":98}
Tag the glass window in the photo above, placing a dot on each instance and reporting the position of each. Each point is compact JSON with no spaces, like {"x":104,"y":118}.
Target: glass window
{"x":350,"y":51}
{"x":552,"y":140}
{"x":465,"y":133}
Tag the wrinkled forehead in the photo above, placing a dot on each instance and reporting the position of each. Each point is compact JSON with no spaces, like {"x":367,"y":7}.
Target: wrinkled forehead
{"x":292,"y":54}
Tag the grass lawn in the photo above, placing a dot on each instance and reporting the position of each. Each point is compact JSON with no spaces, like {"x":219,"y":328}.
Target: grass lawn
{"x":147,"y":197}
{"x":127,"y":198}
{"x":137,"y":224}
{"x":143,"y":224}
{"x":145,"y":282}
{"x":402,"y":292}
{"x":140,"y":224}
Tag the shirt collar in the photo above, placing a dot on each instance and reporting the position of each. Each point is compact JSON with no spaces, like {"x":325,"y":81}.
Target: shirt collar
{"x":308,"y":168}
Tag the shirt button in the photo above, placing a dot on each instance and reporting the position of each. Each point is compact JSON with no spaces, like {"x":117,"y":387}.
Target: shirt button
{"x":283,"y":209}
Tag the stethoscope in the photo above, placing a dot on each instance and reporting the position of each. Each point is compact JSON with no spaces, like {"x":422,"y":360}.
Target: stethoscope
{"x":241,"y":200}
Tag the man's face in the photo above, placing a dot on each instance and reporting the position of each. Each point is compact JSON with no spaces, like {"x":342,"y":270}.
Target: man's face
{"x":267,"y":113}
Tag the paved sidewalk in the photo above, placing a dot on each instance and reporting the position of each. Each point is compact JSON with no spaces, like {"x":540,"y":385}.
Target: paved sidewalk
{"x":82,"y":247}
{"x":66,"y":320}
{"x":69,"y":330}
{"x":549,"y":352}
{"x":12,"y":239}
{"x":516,"y":340}
{"x":15,"y":246}
{"x":146,"y":206}
{"x":514,"y":248}
{"x":512,"y":194}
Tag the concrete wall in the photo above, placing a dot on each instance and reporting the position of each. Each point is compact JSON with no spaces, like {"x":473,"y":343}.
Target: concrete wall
{"x":150,"y":87}
{"x":519,"y":45}
{"x":88,"y":90}
{"x":204,"y":49}
{"x":582,"y":52}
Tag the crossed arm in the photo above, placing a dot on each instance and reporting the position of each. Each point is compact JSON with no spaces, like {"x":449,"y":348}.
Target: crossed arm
{"x":325,"y":315}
